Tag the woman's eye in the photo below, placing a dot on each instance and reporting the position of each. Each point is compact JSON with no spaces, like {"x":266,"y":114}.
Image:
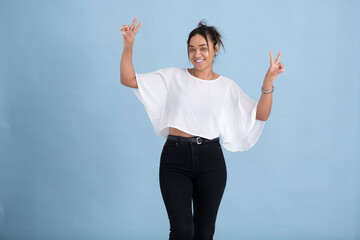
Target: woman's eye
{"x":203,"y":49}
{"x":191,"y":50}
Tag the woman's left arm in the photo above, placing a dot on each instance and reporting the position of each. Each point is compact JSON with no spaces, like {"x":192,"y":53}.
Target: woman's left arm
{"x":265,"y":102}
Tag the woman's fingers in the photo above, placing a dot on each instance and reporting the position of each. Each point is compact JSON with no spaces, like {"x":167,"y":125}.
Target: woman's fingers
{"x":281,"y":65}
{"x":133,"y":23}
{"x":280,"y":69}
{"x":275,"y":67}
{"x":278,"y":57}
{"x":137,"y":28}
{"x":126,"y":28}
{"x":271,"y":58}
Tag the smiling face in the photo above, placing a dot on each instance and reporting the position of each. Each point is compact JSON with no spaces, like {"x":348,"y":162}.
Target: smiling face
{"x":200,"y":53}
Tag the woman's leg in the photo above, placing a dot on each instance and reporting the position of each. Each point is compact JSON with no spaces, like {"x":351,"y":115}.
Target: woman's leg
{"x":209,"y":186}
{"x":176,"y":188}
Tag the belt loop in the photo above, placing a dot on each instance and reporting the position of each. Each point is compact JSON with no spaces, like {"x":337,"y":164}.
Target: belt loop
{"x":178,"y":140}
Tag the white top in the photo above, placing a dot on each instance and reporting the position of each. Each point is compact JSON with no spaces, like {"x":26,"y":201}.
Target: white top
{"x":208,"y":108}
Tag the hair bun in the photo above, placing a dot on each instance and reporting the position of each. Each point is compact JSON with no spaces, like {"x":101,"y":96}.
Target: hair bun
{"x":202,"y":23}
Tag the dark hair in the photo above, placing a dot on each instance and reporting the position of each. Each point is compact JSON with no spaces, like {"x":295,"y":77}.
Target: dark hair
{"x":207,"y":32}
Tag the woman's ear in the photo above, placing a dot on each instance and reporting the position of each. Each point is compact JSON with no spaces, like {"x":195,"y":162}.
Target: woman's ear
{"x":216,"y":48}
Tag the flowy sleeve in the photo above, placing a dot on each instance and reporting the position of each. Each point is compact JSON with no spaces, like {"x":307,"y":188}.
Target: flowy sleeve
{"x":152,"y":93}
{"x":239,"y":127}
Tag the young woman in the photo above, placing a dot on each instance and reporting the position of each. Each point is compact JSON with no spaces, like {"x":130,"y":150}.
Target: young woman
{"x":191,"y":108}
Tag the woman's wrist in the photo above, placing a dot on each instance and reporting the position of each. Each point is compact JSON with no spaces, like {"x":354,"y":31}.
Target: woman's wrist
{"x":128,"y":48}
{"x":267,"y":85}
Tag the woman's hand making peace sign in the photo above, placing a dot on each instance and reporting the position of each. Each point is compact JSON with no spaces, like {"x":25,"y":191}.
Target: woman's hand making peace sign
{"x":129,"y":32}
{"x":275,"y":68}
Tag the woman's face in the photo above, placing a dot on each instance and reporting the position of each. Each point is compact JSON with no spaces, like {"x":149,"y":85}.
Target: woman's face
{"x":200,"y":55}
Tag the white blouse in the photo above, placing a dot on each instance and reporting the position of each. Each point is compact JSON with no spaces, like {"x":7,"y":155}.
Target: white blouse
{"x":207,"y":108}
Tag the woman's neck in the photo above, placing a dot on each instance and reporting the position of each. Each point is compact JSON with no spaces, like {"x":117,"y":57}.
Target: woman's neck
{"x":206,"y":74}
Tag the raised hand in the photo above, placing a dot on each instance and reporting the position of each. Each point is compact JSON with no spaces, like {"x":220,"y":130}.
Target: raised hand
{"x":275,"y":68}
{"x":129,"y":32}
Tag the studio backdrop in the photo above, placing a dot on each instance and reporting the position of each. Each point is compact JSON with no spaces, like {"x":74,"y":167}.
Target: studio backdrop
{"x":79,"y":158}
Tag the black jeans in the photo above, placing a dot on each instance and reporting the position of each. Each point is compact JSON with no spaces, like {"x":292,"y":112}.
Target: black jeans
{"x":192,"y":172}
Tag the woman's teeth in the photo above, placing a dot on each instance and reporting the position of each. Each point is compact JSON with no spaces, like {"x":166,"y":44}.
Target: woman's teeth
{"x":199,"y":60}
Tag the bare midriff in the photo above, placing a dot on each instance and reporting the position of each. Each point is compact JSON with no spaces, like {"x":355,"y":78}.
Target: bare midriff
{"x":178,"y":132}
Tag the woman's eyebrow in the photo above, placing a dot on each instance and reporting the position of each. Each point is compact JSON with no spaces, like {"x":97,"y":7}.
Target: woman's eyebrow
{"x":204,"y":44}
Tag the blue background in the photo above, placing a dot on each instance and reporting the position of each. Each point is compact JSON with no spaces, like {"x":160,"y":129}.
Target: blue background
{"x":79,"y":157}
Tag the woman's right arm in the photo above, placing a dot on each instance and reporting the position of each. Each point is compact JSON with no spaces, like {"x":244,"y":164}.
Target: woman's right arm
{"x":127,"y":72}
